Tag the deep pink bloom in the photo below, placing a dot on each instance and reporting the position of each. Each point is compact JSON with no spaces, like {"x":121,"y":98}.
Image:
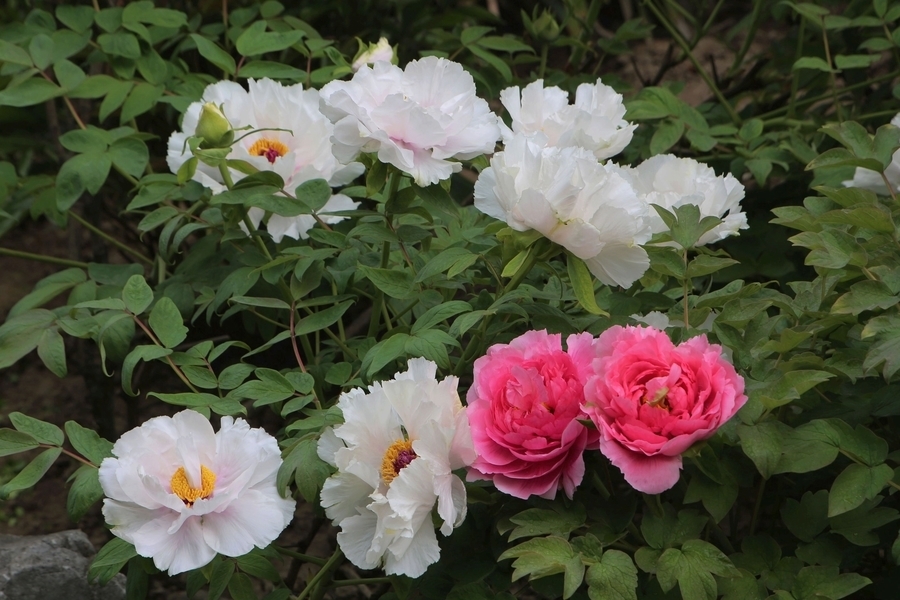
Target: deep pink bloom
{"x":523,"y":411}
{"x":651,"y":400}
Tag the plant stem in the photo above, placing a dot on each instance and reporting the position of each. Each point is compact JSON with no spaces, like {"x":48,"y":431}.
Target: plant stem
{"x":175,"y":367}
{"x":70,"y":455}
{"x":99,"y":232}
{"x":325,"y":571}
{"x":700,"y":70}
{"x":759,"y":497}
{"x":751,"y":35}
{"x":64,"y":262}
{"x":545,"y":50}
{"x":370,"y":581}
{"x":304,"y":557}
{"x":795,"y":78}
{"x":685,"y":283}
{"x":834,"y":94}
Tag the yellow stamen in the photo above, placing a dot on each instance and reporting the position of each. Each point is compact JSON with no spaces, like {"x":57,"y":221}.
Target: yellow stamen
{"x":659,"y":398}
{"x":398,"y":455}
{"x":271,"y":149}
{"x":182,"y":488}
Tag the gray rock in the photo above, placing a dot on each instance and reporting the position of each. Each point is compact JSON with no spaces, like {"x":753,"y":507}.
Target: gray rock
{"x":51,"y":567}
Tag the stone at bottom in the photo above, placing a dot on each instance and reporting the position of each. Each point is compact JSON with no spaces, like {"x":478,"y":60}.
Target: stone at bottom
{"x":51,"y":567}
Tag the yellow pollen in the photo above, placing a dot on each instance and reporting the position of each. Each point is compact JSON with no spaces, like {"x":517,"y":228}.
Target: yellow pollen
{"x":659,"y":398}
{"x":271,"y":149}
{"x":189,"y":495}
{"x":398,"y":455}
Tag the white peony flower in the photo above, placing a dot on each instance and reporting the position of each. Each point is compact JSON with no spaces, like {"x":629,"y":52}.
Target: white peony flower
{"x":670,"y":181}
{"x":181,"y":493}
{"x":595,"y":122}
{"x":300,"y":153}
{"x":415,"y":118}
{"x":375,"y":52}
{"x":394,"y":455}
{"x":868,"y":179}
{"x":573,"y":200}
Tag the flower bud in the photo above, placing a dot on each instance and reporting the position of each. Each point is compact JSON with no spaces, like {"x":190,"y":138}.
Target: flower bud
{"x":374,"y":52}
{"x":214,"y":127}
{"x":545,"y":27}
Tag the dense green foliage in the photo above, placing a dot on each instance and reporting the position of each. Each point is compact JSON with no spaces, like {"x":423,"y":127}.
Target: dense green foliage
{"x":796,"y":496}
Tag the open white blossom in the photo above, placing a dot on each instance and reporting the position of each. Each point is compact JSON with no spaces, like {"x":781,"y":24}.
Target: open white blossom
{"x":394,"y":455}
{"x":181,"y":492}
{"x":868,"y":179}
{"x":595,"y":121}
{"x":301,"y":152}
{"x":415,"y":118}
{"x":669,"y":181}
{"x":573,"y":200}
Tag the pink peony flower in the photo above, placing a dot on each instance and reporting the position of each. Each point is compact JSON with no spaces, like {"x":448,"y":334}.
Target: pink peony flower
{"x":523,"y":408}
{"x":652,"y":400}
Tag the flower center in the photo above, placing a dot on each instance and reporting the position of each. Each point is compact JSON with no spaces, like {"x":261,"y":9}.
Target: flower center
{"x":658,"y":399}
{"x":398,"y":455}
{"x":182,"y":488}
{"x":271,"y":149}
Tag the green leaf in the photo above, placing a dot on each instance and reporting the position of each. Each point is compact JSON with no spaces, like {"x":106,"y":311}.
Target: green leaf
{"x":120,"y":43}
{"x":84,"y":492}
{"x":582,"y":284}
{"x":44,"y":432}
{"x":321,"y":319}
{"x":310,"y":470}
{"x":541,"y":557}
{"x":841,"y":157}
{"x":32,"y":473}
{"x":705,"y":264}
{"x":436,"y":314}
{"x":147,"y":353}
{"x":137,"y":295}
{"x":110,"y":560}
{"x":131,"y":154}
{"x":258,"y":69}
{"x":827,"y":582}
{"x":88,"y":442}
{"x":48,"y":288}
{"x":203,"y":403}
{"x":256,"y":40}
{"x":473,"y":33}
{"x":762,"y":444}
{"x":807,"y":518}
{"x":692,"y":567}
{"x":666,"y":135}
{"x":865,"y":295}
{"x":30,"y":92}
{"x":615,"y":576}
{"x":219,"y":578}
{"x":539,"y":521}
{"x":14,"y":442}
{"x":685,"y":223}
{"x":167,"y":324}
{"x":790,"y":386}
{"x":22,"y":333}
{"x":41,"y":50}
{"x":259,"y":566}
{"x":76,"y":18}
{"x":856,"y":484}
{"x":81,"y":172}
{"x":671,"y":529}
{"x":493,"y":60}
{"x":395,"y":283}
{"x":10,"y":53}
{"x":314,"y":193}
{"x":384,"y":352}
{"x":214,"y":54}
{"x":141,"y":99}
{"x":91,"y":139}
{"x":241,"y":587}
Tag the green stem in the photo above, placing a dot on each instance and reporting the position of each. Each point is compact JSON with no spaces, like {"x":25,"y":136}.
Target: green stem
{"x":304,"y":557}
{"x":326,"y":571}
{"x":700,"y":70}
{"x":545,"y":50}
{"x":370,"y":581}
{"x":795,"y":78}
{"x":751,"y":35}
{"x":99,"y":232}
{"x":759,"y":497}
{"x":64,"y":262}
{"x":775,"y":112}
{"x":833,"y":77}
{"x":70,"y":455}
{"x":685,"y":283}
{"x":175,"y":367}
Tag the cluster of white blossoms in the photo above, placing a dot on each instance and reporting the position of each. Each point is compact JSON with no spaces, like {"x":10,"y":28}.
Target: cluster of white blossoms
{"x":181,"y":492}
{"x":290,"y":136}
{"x":395,"y":454}
{"x":550,"y":178}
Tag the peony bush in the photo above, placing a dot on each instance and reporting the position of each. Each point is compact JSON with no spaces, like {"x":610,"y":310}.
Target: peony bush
{"x":473,"y":321}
